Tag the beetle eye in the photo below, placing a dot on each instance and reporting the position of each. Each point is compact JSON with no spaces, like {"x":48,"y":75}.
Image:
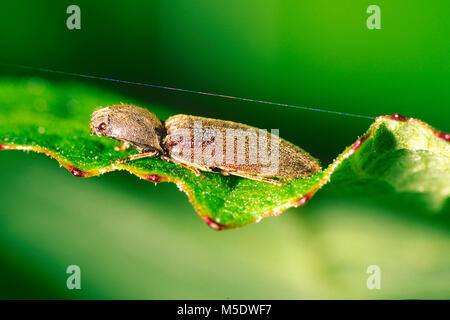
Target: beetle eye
{"x":102,"y":126}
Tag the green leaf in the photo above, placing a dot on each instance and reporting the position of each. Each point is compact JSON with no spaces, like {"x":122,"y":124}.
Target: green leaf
{"x":404,"y":161}
{"x":397,"y":159}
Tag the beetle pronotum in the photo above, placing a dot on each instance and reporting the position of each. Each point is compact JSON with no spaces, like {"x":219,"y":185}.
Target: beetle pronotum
{"x":176,"y":141}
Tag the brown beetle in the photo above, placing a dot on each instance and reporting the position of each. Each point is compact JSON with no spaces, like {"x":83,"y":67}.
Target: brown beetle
{"x":204,"y":144}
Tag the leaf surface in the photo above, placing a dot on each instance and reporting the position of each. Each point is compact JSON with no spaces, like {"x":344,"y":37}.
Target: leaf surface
{"x":397,"y":159}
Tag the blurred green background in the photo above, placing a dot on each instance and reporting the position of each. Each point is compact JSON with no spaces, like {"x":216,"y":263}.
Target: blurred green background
{"x":133,"y":240}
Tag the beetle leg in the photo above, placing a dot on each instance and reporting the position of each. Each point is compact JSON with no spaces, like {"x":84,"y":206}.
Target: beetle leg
{"x":258,"y":178}
{"x":150,"y":154}
{"x":194,"y":170}
{"x":124,"y":146}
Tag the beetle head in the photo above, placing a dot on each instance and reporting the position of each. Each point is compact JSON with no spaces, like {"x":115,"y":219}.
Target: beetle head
{"x":132,"y":124}
{"x":100,"y":122}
